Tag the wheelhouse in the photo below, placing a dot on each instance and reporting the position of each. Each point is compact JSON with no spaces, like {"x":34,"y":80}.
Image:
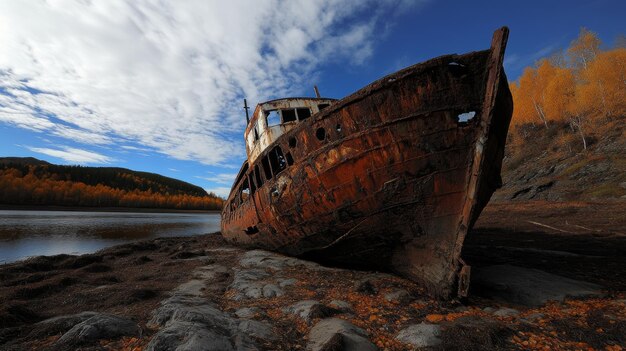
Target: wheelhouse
{"x":272,"y":119}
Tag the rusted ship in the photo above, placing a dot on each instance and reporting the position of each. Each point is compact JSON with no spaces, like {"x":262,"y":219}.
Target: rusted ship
{"x":390,"y":177}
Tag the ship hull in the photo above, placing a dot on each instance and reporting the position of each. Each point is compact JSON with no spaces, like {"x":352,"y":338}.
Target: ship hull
{"x":391,"y":177}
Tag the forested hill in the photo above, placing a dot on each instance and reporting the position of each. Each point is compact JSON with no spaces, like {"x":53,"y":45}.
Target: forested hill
{"x":22,"y":161}
{"x":29,"y":181}
{"x":567,"y":139}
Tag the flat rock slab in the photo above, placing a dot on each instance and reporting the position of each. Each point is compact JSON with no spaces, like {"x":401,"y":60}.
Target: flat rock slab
{"x":59,"y":325}
{"x":334,"y":334}
{"x":527,"y":286}
{"x":189,"y":336}
{"x":420,"y":335}
{"x":188,"y":321}
{"x":274,"y":261}
{"x":97,"y":327}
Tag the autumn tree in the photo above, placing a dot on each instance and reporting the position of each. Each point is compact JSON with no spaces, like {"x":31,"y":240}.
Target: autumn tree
{"x":602,"y":88}
{"x":532,"y":99}
{"x":584,"y":49}
{"x":579,"y":85}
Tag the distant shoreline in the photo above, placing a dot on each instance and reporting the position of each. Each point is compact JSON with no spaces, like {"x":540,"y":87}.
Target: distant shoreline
{"x":100,"y":209}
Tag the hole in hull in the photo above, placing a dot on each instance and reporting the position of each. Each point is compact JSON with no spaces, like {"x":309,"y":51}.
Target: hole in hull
{"x":320,"y":134}
{"x":251,"y":230}
{"x":466,"y":116}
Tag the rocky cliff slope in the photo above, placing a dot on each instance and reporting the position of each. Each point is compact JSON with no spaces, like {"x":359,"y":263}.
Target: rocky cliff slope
{"x":550,"y":163}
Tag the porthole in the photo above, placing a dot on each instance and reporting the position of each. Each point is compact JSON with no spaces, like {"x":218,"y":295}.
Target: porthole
{"x":292,"y":142}
{"x":320,"y":134}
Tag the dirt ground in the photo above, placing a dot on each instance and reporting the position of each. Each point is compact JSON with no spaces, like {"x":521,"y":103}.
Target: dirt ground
{"x":583,"y":241}
{"x":579,"y":240}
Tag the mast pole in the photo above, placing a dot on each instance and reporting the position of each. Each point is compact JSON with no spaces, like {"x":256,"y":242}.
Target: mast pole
{"x":245,"y":107}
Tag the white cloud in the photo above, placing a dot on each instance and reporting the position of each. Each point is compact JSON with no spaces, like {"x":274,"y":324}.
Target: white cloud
{"x":222,"y":178}
{"x":134,"y":148}
{"x":168,"y":75}
{"x":71,"y":154}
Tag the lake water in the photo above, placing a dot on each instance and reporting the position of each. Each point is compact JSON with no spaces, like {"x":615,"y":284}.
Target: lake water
{"x":31,"y":233}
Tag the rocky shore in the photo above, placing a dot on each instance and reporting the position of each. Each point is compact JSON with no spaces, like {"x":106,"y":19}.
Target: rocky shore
{"x":544,"y":276}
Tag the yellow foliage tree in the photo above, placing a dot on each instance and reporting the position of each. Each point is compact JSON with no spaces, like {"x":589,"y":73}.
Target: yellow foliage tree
{"x":537,"y":91}
{"x":530,"y":99}
{"x":591,"y":87}
{"x":602,"y":89}
{"x":584,"y":49}
{"x":560,"y":92}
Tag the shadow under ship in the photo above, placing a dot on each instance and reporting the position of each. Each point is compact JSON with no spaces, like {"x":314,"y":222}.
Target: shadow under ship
{"x":391,"y":177}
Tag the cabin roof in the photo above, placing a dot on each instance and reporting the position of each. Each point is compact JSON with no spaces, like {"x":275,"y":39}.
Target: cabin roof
{"x":294,"y":98}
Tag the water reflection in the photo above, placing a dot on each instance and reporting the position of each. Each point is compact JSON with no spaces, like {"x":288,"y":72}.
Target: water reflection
{"x":31,"y":233}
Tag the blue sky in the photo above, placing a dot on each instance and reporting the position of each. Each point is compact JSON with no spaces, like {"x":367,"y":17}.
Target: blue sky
{"x":158,"y":86}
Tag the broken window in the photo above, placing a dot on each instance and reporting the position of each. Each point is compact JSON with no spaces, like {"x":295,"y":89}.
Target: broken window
{"x":245,"y":190}
{"x":322,"y":106}
{"x":289,"y":115}
{"x":273,"y":118}
{"x":252,"y":184}
{"x":277,"y":160}
{"x":303,"y":113}
{"x":266,"y":168}
{"x":238,"y":200}
{"x":257,"y":176}
{"x":289,"y":159}
{"x":273,"y":161}
{"x":256,"y":130}
{"x":282,"y":162}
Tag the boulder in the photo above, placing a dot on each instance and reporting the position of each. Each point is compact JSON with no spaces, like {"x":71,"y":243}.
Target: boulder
{"x":420,"y":335}
{"x":398,"y":296}
{"x":506,"y":312}
{"x":272,"y":290}
{"x":341,"y":305}
{"x":286,"y":282}
{"x":334,"y":334}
